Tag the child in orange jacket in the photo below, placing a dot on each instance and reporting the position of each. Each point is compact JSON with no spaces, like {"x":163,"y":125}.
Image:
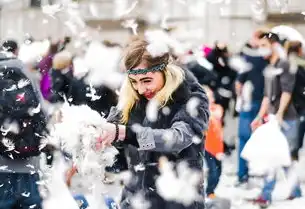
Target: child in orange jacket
{"x":214,"y":146}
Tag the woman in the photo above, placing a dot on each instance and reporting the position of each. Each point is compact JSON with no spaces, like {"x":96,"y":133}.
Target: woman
{"x":156,"y":79}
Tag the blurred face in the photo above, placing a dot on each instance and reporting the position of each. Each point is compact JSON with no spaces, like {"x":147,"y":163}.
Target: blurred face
{"x":266,"y":48}
{"x":149,"y":84}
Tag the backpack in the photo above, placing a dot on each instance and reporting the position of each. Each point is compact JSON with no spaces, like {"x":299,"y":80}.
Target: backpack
{"x":298,"y":96}
{"x":22,"y":123}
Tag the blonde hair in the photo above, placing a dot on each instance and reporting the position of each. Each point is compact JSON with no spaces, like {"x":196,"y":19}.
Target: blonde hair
{"x":135,"y":54}
{"x":62,"y":60}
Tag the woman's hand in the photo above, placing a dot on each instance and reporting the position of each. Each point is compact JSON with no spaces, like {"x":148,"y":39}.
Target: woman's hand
{"x":109,"y":134}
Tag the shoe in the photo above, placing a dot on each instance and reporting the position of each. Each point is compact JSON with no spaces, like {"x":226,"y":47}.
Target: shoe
{"x":110,"y":203}
{"x":261,"y":202}
{"x":241,"y":184}
{"x":81,"y":201}
{"x":296,"y":193}
{"x":212,"y":196}
{"x":109,"y":178}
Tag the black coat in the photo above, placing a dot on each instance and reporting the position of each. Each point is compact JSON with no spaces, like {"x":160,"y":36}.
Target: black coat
{"x":61,"y":82}
{"x":224,"y":87}
{"x":79,"y":94}
{"x":181,"y":123}
{"x":67,"y":87}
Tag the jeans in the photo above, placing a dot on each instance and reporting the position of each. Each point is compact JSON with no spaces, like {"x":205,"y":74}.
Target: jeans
{"x":269,"y":184}
{"x":301,"y":131}
{"x":19,"y":191}
{"x":214,"y":172}
{"x":291,"y":133}
{"x":244,"y":134}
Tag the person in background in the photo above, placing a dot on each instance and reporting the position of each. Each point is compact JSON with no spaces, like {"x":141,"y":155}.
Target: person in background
{"x":223,"y":90}
{"x":279,"y":87}
{"x":10,"y":46}
{"x":223,"y":85}
{"x":295,"y":52}
{"x":61,"y":76}
{"x":214,"y":146}
{"x":44,"y":66}
{"x":19,"y":176}
{"x":248,"y":83}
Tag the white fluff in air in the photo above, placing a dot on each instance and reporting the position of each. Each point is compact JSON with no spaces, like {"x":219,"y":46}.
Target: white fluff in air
{"x":76,"y":133}
{"x":192,"y":106}
{"x":157,"y":48}
{"x":179,"y":186}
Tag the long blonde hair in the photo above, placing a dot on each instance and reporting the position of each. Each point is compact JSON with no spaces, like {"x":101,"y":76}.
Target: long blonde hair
{"x":136,"y":53}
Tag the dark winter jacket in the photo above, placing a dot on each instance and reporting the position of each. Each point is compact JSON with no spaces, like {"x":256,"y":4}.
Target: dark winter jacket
{"x":147,"y":145}
{"x":101,"y":100}
{"x":255,"y":75}
{"x":61,"y":81}
{"x":14,"y":70}
{"x":225,"y":76}
{"x":204,"y":76}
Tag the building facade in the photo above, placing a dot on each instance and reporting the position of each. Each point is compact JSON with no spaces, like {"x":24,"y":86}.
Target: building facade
{"x":199,"y":21}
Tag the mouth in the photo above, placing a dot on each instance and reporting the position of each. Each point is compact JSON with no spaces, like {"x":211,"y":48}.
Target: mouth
{"x":149,"y":95}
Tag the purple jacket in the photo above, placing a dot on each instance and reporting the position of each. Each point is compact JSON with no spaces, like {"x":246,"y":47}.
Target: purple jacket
{"x":45,"y":83}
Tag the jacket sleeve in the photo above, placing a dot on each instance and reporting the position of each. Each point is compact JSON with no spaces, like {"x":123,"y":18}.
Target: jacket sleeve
{"x":174,"y":139}
{"x":114,"y":115}
{"x":183,"y":131}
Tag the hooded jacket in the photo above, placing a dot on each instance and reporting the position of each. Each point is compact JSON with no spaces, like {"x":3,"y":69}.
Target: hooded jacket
{"x":20,"y":165}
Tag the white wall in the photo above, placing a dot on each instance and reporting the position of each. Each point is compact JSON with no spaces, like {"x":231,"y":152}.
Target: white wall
{"x":204,"y":22}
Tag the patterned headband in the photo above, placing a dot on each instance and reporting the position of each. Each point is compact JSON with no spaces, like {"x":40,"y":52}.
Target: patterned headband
{"x":147,"y":70}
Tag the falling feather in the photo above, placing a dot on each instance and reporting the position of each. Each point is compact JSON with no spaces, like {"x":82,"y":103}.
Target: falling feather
{"x":192,"y":106}
{"x":132,"y":24}
{"x":152,"y":110}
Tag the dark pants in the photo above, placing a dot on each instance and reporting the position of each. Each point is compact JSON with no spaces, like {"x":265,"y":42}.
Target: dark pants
{"x":214,"y":173}
{"x":301,"y":132}
{"x":19,"y":191}
{"x":244,"y":134}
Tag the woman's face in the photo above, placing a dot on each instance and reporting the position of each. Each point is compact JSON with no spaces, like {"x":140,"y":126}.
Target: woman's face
{"x":149,"y":84}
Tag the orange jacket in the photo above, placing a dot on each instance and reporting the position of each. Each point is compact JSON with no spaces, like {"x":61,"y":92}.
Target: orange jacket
{"x":214,"y":135}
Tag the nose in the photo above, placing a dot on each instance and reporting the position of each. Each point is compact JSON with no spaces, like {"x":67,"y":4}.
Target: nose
{"x":141,"y":89}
